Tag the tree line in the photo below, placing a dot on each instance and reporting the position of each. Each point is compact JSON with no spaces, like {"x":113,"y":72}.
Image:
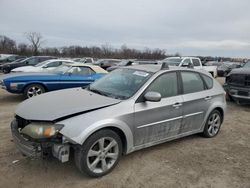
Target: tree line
{"x":36,"y":40}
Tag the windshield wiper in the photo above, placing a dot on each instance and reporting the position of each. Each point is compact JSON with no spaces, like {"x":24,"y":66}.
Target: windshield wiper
{"x":98,"y":92}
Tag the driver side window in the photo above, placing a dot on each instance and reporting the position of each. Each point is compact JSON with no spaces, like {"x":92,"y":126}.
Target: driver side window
{"x":81,"y":71}
{"x":54,"y":64}
{"x":32,"y":61}
{"x":165,"y":84}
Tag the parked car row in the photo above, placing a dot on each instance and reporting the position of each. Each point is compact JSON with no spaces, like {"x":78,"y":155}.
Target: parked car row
{"x":31,"y":61}
{"x":6,"y":58}
{"x":190,"y":61}
{"x":65,"y":76}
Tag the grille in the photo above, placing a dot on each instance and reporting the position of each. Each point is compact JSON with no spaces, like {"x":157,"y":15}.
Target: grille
{"x":243,"y":93}
{"x":247,"y":80}
{"x":239,"y":80}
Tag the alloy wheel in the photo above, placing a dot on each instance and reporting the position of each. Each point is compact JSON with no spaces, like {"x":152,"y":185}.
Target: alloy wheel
{"x":214,"y":123}
{"x":102,"y":155}
{"x":34,"y":91}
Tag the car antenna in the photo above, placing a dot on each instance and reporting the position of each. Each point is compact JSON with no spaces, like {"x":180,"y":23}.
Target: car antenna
{"x":164,"y":66}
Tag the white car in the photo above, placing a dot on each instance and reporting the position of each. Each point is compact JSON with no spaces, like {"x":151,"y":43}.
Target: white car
{"x":44,"y":66}
{"x":185,"y":61}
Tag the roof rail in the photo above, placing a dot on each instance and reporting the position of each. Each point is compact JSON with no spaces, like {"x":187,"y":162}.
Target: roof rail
{"x":164,"y":66}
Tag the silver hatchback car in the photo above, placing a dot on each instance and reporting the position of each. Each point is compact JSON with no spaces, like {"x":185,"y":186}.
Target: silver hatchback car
{"x":129,"y":109}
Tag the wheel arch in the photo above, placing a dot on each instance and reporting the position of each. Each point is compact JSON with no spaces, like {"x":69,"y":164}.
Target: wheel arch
{"x":122,"y":129}
{"x":31,"y":83}
{"x":218,"y":107}
{"x":120,"y":133}
{"x":221,"y":112}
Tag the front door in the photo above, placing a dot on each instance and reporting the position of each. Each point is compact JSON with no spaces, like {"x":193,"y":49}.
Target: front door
{"x":155,"y":121}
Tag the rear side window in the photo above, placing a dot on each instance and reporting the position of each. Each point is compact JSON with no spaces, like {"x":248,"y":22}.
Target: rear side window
{"x":192,"y":82}
{"x":165,"y":84}
{"x":54,"y":64}
{"x":32,"y":61}
{"x":208,"y":81}
{"x":196,"y":62}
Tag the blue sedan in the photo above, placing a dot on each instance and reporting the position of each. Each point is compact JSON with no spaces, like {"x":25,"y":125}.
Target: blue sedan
{"x":65,"y":76}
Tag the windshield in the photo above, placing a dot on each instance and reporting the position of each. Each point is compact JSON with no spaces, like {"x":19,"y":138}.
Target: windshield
{"x":98,"y":62}
{"x":121,"y":83}
{"x":61,"y":69}
{"x":225,"y":66}
{"x":247,"y":65}
{"x":42,"y":63}
{"x":122,"y":63}
{"x":173,"y":61}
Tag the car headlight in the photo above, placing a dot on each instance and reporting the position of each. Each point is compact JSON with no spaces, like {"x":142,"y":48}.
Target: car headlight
{"x":1,"y":82}
{"x":41,"y":130}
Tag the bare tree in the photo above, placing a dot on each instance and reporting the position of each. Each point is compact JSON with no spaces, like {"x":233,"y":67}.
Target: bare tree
{"x":7,"y":45}
{"x":36,"y":40}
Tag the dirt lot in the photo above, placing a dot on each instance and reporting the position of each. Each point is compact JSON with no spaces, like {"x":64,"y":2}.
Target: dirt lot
{"x":223,"y":161}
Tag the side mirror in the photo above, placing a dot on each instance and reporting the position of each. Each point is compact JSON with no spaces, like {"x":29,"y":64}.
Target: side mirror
{"x":45,"y":66}
{"x":152,"y":96}
{"x":26,"y":62}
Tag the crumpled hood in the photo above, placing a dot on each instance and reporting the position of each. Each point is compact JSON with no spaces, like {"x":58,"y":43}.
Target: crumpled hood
{"x":59,"y":104}
{"x":240,"y":71}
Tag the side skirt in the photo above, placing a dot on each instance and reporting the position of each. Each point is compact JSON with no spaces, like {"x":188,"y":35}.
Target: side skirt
{"x":163,"y":140}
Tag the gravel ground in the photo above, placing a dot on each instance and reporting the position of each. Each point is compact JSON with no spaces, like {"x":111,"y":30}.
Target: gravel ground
{"x":194,"y":161}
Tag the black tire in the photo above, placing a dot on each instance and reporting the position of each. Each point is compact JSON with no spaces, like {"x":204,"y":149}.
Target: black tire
{"x":82,"y":158}
{"x":207,"y":132}
{"x":39,"y":90}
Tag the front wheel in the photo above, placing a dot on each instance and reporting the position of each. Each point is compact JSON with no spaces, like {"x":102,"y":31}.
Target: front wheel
{"x":33,"y":90}
{"x":99,"y":154}
{"x":213,"y":124}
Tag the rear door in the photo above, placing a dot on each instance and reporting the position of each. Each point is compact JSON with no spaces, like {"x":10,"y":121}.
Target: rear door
{"x":196,"y":101}
{"x":155,"y":121}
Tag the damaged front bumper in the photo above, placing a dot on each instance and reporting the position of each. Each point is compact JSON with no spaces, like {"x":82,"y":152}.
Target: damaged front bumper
{"x":239,"y":94}
{"x":33,"y":149}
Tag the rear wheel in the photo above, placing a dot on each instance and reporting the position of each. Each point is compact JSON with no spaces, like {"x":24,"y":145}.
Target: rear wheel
{"x":33,"y":90}
{"x":213,"y":124}
{"x":99,"y":154}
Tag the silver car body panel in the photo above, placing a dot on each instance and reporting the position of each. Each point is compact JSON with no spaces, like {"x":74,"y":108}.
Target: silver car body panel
{"x":54,"y":105}
{"x":143,"y":123}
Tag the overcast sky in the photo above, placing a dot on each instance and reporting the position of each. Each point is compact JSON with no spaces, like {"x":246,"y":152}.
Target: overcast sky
{"x":190,"y":27}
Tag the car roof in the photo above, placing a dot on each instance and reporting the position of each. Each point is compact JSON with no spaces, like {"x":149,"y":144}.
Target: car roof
{"x":96,"y":68}
{"x":65,"y":60}
{"x":156,"y":68}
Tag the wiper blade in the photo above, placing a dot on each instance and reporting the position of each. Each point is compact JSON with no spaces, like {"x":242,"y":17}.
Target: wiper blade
{"x":98,"y":92}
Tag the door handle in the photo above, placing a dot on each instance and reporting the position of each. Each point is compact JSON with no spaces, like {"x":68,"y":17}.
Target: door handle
{"x":208,"y":98}
{"x":177,"y":105}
